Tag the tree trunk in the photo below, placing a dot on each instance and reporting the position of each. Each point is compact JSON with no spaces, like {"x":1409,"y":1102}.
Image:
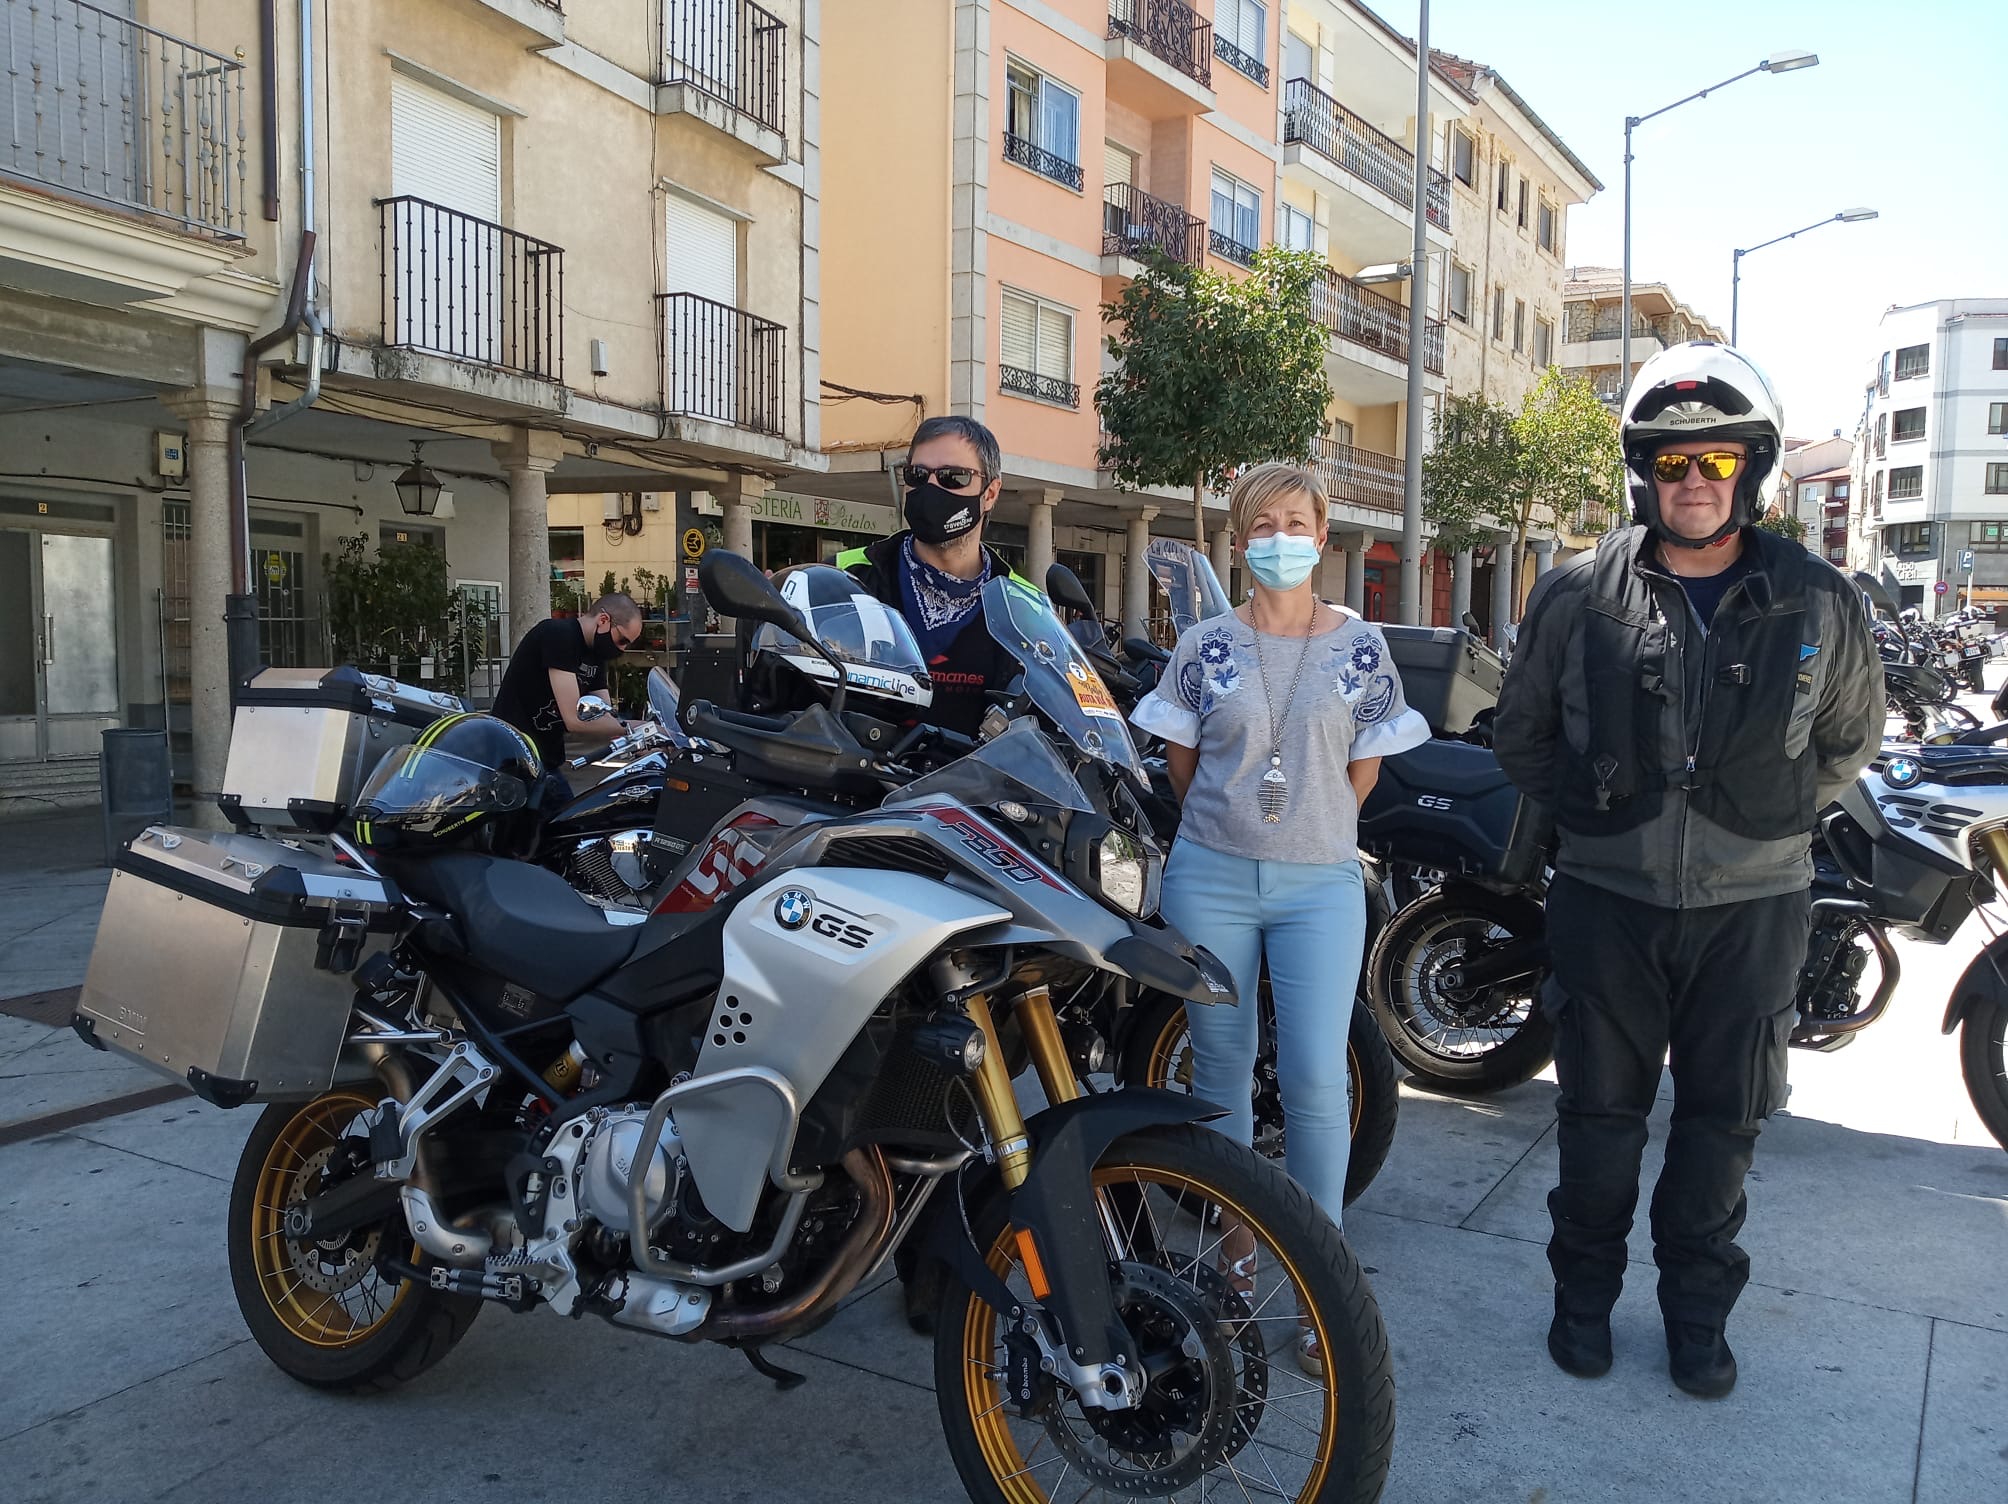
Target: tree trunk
{"x":1519,"y":560}
{"x":1199,"y":511}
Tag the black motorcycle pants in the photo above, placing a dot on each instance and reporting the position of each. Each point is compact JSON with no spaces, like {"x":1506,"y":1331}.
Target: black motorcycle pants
{"x":1710,"y":991}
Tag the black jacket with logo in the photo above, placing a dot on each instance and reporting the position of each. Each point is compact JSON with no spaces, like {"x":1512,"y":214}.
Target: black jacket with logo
{"x":1685,"y":766}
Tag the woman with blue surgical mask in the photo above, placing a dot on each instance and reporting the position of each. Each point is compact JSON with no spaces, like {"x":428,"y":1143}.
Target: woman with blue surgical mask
{"x":1275,"y":721}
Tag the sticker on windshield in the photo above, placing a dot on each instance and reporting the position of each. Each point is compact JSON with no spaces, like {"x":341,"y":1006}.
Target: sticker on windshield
{"x":1090,"y":693}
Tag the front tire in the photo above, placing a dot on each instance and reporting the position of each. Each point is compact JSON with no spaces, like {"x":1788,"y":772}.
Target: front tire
{"x":321,"y":1310}
{"x":1159,"y":1053}
{"x":1449,"y":1041}
{"x":1983,"y":1060}
{"x":1211,"y":1350}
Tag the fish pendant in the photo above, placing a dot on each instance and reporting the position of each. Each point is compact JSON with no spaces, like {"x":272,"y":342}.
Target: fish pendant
{"x":1273,"y":794}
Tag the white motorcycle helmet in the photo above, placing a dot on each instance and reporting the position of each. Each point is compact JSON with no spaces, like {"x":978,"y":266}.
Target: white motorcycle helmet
{"x":1701,"y":390}
{"x":880,"y":655}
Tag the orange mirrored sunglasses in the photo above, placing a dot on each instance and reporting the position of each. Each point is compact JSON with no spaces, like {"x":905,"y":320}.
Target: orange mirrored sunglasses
{"x":1715,"y":465}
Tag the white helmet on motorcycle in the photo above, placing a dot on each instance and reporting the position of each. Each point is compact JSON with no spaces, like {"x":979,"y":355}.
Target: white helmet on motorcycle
{"x":880,"y":656}
{"x":1701,"y":390}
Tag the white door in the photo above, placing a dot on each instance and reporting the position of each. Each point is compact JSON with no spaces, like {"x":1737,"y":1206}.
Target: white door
{"x":58,"y":644}
{"x":449,"y":291}
{"x":706,"y":348}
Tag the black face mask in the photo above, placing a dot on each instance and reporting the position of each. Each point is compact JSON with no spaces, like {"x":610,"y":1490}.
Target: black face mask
{"x":604,"y":648}
{"x":940,"y":516}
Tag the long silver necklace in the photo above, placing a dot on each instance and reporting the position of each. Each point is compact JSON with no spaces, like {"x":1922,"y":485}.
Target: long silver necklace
{"x":1273,"y":794}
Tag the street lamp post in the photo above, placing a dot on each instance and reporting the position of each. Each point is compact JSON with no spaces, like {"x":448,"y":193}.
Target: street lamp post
{"x":1845,"y":216}
{"x":1778,"y":62}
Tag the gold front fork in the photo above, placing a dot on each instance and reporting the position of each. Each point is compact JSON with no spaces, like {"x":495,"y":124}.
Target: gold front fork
{"x":993,"y":1079}
{"x":1995,"y":844}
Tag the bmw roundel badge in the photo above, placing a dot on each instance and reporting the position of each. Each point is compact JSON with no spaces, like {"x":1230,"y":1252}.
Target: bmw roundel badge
{"x":1901,"y":772}
{"x":793,"y":908}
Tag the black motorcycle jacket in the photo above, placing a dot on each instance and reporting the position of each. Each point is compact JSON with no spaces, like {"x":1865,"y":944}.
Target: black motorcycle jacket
{"x":1685,"y":766}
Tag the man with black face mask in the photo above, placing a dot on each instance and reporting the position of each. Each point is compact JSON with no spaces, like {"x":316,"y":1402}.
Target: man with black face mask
{"x":933,"y":573}
{"x":558,"y":661}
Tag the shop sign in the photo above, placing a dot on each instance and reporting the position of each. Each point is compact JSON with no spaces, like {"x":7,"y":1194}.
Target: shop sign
{"x":824,"y":512}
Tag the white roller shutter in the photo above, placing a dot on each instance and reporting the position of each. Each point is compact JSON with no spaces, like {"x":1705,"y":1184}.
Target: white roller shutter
{"x":1056,"y":343}
{"x":1118,"y":164}
{"x":444,"y":150}
{"x":701,"y":251}
{"x":1018,"y":341}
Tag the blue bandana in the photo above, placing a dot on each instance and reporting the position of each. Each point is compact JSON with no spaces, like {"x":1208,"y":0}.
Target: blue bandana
{"x":938,"y":605}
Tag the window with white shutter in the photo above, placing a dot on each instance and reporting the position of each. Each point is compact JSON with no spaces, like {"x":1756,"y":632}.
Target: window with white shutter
{"x":1118,"y":165}
{"x":1042,"y":124}
{"x":446,"y":248}
{"x":1035,"y":348}
{"x":1294,"y":227}
{"x":1242,"y":26}
{"x":704,"y":339}
{"x":1300,"y":58}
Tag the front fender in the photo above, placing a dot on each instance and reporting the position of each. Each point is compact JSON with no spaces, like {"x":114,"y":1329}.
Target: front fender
{"x":1056,"y":1206}
{"x":1984,"y":980}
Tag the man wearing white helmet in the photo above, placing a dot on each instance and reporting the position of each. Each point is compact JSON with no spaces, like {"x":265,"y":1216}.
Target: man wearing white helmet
{"x":1685,"y":699}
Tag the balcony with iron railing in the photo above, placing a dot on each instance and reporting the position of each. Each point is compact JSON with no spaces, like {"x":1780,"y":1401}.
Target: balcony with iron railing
{"x":1134,"y":222}
{"x":1361,"y":477}
{"x":1591,"y":521}
{"x":1170,"y":30}
{"x":1041,"y":388}
{"x":101,"y":108}
{"x":1033,"y":157}
{"x":722,"y":364}
{"x":730,"y":51}
{"x":1227,"y":248}
{"x":1314,"y":119}
{"x":1245,"y":63}
{"x":1357,"y":315}
{"x":454,"y":285}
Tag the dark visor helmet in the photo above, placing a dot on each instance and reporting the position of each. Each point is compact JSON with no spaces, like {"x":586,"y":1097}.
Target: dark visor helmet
{"x":460,"y":772}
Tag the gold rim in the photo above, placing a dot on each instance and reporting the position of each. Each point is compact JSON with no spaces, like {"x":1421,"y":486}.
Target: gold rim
{"x":328,"y":1295}
{"x":1048,"y":1471}
{"x":1161,"y":1071}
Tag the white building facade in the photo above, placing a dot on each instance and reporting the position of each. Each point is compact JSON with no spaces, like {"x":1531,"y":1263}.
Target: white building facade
{"x":1934,"y":457}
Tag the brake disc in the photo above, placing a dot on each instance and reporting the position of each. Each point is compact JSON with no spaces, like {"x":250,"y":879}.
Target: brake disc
{"x":333,"y":1265}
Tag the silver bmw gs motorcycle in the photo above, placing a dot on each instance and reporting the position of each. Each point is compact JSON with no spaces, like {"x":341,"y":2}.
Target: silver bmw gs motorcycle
{"x":715,"y":1125}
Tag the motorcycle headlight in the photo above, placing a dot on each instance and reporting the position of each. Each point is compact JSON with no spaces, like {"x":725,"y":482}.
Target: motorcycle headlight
{"x":1126,"y":872}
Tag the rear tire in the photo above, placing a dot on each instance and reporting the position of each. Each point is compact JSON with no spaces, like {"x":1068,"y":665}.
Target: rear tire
{"x":1983,"y":1060}
{"x":1505,"y":1038}
{"x":319,"y":1310}
{"x":1158,"y":1054}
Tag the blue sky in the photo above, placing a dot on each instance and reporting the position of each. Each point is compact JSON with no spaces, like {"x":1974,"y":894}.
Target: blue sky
{"x":1907,"y":114}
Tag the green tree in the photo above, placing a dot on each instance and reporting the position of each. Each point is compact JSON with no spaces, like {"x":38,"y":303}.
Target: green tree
{"x":1784,"y":524}
{"x":1472,"y":468}
{"x":1570,"y":458}
{"x":1213,"y":372}
{"x":1556,"y":459}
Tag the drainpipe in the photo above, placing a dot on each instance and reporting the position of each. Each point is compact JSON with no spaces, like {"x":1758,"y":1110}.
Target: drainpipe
{"x":240,"y":611}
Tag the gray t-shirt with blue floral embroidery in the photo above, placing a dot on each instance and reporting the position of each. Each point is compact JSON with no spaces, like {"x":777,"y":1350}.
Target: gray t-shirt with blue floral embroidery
{"x":1348,"y":706}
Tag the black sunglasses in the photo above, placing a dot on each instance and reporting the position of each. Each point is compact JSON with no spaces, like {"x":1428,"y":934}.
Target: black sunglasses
{"x":954,"y":477}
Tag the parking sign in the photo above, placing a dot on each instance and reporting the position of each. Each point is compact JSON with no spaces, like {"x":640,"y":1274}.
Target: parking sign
{"x":1966,"y":560}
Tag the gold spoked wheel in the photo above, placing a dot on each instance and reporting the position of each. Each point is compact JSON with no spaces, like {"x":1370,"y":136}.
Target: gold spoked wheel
{"x":1229,"y":1411}
{"x":327,"y":1293}
{"x":1170,"y":1065}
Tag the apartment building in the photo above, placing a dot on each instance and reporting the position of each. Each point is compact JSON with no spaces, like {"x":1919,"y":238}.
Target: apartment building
{"x":976,"y":219}
{"x":1513,"y":182}
{"x":1933,"y":460}
{"x":495,"y":250}
{"x":1593,"y":325}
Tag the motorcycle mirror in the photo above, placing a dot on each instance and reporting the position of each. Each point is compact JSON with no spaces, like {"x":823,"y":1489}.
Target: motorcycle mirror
{"x":735,"y":586}
{"x":1879,"y":598}
{"x":1065,"y":587}
{"x":1471,"y":625}
{"x":593,"y":708}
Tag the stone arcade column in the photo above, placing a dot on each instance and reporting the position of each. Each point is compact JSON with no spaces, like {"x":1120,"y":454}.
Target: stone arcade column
{"x":208,"y":412}
{"x":527,"y":457}
{"x":1040,"y":507}
{"x":1502,"y":587}
{"x":1136,"y":575}
{"x":1460,"y":586}
{"x":737,"y":503}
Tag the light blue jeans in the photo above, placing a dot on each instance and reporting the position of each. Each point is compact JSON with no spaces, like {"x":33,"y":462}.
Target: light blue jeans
{"x":1310,"y":920}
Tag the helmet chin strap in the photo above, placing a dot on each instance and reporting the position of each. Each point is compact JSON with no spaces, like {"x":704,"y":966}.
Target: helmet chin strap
{"x":1717,"y":539}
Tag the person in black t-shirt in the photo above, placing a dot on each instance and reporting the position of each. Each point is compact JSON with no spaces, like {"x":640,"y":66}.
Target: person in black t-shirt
{"x":558,"y":661}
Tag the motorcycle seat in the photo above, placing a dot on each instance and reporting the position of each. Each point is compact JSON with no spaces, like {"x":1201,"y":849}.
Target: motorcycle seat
{"x":1461,"y":770}
{"x":524,"y":923}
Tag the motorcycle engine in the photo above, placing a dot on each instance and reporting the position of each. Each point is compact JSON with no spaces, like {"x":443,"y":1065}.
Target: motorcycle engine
{"x":608,"y":1158}
{"x":1831,"y":982}
{"x":617,"y":869}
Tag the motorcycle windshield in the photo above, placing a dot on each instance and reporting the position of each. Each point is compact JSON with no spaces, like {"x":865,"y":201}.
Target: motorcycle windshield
{"x":1058,"y":676}
{"x":1186,"y":577}
{"x":1020,"y":765}
{"x":664,"y":702}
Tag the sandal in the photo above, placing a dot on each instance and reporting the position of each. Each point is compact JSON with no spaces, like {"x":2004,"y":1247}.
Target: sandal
{"x":1310,"y":1355}
{"x":1240,"y":1272}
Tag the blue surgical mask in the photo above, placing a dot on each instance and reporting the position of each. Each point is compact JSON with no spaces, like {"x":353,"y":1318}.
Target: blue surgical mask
{"x":1282,"y":561}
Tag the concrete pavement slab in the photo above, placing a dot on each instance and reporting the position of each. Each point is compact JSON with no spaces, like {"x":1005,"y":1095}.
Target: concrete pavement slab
{"x":1449,"y":1152}
{"x":115,"y":1268}
{"x":35,"y":1093}
{"x":1827,"y":1408}
{"x":1825,"y":1203}
{"x":1963,"y":1446}
{"x":190,"y":1134}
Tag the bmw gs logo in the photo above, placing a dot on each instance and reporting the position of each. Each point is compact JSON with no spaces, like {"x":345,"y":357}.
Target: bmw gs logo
{"x":792,"y":909}
{"x":1901,"y":772}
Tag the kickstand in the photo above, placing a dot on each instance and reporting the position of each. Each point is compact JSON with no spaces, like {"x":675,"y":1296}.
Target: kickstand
{"x":784,"y":1378}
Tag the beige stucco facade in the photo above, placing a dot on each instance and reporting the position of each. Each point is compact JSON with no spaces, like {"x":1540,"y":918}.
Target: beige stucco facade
{"x":503,"y":196}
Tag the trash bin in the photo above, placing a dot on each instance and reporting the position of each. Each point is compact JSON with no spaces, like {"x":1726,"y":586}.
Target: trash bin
{"x":136,"y":783}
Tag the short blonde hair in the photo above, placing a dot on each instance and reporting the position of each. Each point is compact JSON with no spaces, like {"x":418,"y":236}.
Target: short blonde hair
{"x":1257,"y":486}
